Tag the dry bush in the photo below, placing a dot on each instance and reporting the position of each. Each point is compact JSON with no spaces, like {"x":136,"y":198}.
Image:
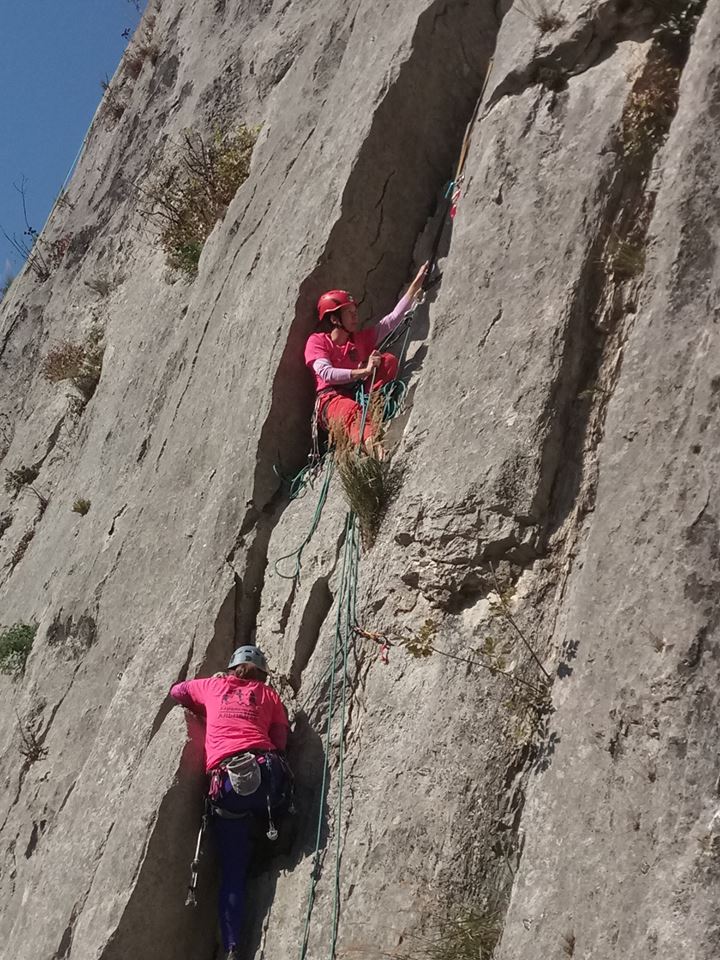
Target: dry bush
{"x":650,"y":109}
{"x":55,"y":250}
{"x":101,"y":284}
{"x":134,"y":63}
{"x":81,"y":363}
{"x":145,"y":49}
{"x":30,"y":747}
{"x":64,"y":200}
{"x":468,"y":933}
{"x":113,"y":106}
{"x":81,"y":506}
{"x":187,"y":197}
{"x":149,"y":51}
{"x":21,"y":476}
{"x":545,"y":18}
{"x":42,"y":256}
{"x":368,"y":483}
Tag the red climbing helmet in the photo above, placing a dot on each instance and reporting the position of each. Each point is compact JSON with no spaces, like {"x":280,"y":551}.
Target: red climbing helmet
{"x":333,"y":300}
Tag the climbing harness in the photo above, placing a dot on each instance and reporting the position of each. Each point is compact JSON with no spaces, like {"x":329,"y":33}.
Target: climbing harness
{"x":243,"y":770}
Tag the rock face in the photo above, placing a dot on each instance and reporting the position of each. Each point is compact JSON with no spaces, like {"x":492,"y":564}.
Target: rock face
{"x":557,"y":464}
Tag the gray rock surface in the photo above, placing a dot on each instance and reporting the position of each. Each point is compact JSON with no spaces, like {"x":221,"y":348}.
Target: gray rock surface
{"x":558,"y":434}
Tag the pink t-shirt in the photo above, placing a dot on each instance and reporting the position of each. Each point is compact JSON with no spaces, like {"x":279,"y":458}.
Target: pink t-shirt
{"x":324,"y":356}
{"x":238,"y":714}
{"x":350,"y":356}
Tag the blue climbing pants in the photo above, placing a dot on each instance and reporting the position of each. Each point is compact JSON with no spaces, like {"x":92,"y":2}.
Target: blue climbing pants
{"x":234,"y":839}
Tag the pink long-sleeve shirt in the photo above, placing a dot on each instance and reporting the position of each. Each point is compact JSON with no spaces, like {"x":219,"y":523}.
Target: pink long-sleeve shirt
{"x":333,"y":364}
{"x":239,"y":715}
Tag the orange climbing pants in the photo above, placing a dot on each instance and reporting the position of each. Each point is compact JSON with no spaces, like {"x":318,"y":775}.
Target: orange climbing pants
{"x":348,"y":412}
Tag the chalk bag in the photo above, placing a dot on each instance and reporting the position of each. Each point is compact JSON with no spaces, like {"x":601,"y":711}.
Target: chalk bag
{"x":244,"y":772}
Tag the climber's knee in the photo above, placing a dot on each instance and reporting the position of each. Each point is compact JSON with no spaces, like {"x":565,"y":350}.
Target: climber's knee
{"x":387,"y":370}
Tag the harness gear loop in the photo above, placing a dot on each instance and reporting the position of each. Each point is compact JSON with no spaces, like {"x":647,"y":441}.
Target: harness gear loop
{"x":272,"y":833}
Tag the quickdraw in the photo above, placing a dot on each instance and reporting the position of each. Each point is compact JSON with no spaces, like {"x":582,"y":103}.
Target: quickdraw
{"x":378,"y":638}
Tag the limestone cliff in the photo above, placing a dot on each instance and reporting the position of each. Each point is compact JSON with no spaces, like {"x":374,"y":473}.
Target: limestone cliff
{"x":558,"y":461}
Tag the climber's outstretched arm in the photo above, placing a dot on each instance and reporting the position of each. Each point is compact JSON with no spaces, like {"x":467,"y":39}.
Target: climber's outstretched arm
{"x":388,"y":323}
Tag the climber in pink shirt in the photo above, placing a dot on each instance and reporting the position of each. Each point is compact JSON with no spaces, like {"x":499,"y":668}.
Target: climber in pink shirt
{"x":341,"y":354}
{"x":246,"y":730}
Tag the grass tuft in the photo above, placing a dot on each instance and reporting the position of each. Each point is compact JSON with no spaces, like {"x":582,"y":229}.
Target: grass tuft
{"x":625,"y":259}
{"x":101,"y":284}
{"x":81,"y":506}
{"x":469,"y":933}
{"x":546,"y":18}
{"x":368,"y":485}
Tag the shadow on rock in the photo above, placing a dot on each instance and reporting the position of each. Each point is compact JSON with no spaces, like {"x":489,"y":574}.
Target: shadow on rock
{"x":297,"y":832}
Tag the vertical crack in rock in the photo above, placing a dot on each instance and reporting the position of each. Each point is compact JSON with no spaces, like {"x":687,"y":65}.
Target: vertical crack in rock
{"x":421,"y":145}
{"x":317,"y":607}
{"x":600,"y":316}
{"x":63,"y":950}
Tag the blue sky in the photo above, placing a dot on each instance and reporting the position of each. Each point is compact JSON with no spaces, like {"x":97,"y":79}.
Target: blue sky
{"x":53,"y":55}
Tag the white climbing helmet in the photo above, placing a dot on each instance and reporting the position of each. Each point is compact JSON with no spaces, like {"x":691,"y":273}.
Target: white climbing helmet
{"x":249,"y":654}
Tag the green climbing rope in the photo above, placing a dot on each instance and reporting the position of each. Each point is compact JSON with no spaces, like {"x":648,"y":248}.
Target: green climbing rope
{"x":326,"y":469}
{"x":344,"y":626}
{"x":347,"y":629}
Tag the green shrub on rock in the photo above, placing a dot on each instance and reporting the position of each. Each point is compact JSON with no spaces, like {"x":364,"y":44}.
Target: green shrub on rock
{"x":188,"y":196}
{"x":15,"y":644}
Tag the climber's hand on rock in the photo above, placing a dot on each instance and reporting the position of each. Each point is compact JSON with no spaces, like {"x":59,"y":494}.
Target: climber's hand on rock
{"x":417,"y":283}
